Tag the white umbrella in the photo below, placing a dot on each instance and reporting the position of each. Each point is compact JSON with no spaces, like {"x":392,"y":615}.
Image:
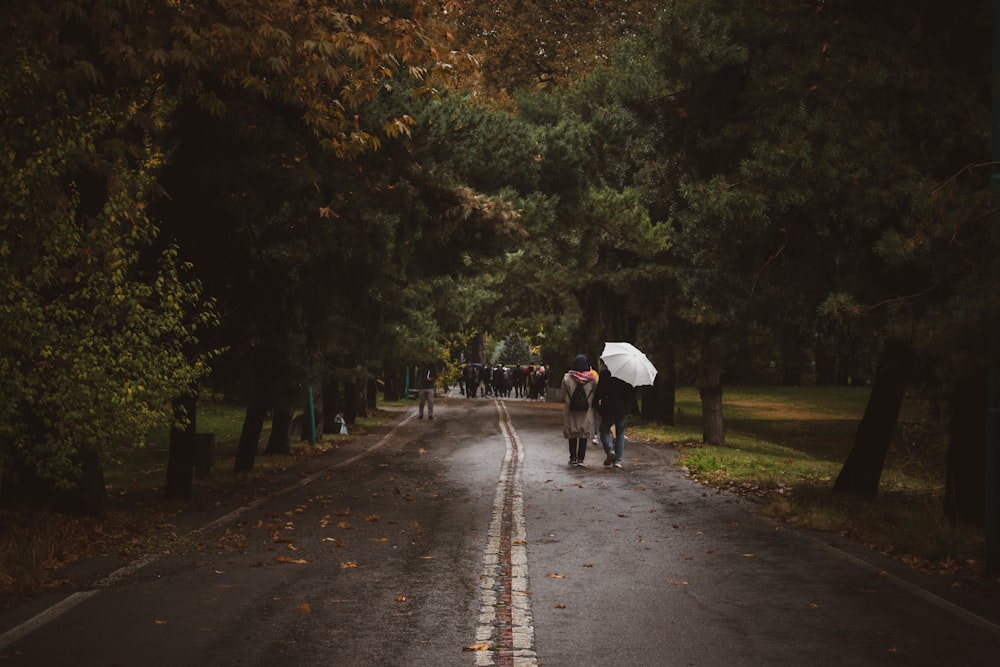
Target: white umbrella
{"x":627,"y":363}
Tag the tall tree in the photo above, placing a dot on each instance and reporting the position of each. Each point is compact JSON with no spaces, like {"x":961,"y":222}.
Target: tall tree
{"x":96,"y":333}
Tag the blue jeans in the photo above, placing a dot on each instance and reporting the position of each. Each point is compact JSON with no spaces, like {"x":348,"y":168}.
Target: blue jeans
{"x":619,"y":444}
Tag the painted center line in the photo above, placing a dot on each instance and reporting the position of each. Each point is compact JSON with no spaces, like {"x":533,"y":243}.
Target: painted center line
{"x":505,"y":613}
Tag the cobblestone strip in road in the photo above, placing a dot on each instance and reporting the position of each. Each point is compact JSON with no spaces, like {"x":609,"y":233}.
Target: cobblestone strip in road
{"x":505,"y":613}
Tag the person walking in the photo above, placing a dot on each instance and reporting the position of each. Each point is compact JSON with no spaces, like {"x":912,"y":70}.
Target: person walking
{"x":426,"y":381}
{"x":578,"y":418}
{"x":613,"y":398}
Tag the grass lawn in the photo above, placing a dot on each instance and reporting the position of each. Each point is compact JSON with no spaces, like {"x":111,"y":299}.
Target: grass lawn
{"x":786,"y":445}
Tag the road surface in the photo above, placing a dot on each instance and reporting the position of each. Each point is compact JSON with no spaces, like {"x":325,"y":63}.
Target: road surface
{"x":468,"y":540}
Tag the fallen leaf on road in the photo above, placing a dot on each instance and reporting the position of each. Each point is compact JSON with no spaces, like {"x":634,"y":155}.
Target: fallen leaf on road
{"x":813,"y":605}
{"x":553,"y":575}
{"x":304,"y":608}
{"x":336,"y":540}
{"x":560,"y":606}
{"x":478,"y":646}
{"x":587,"y":565}
{"x":400,"y":598}
{"x":748,"y":555}
{"x":380,"y":539}
{"x":344,"y":525}
{"x":519,"y":542}
{"x":286,"y":559}
{"x":346,"y":512}
{"x":421,"y":451}
{"x":679,"y":583}
{"x":349,"y":565}
{"x":372,"y":518}
{"x":157,"y":621}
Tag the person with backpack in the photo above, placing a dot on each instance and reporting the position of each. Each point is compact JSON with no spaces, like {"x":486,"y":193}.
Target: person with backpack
{"x":578,"y":418}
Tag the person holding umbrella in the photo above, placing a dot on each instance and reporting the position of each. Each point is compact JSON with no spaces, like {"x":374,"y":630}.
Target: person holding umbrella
{"x":623,"y":367}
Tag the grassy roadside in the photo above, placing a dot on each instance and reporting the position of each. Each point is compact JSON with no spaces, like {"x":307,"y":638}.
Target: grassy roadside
{"x":786,"y":445}
{"x":35,"y":544}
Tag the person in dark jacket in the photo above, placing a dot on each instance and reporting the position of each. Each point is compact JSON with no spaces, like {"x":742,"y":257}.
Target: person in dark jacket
{"x":613,"y":398}
{"x":426,"y":381}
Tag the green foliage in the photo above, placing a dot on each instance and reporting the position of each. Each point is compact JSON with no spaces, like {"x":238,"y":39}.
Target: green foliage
{"x":96,"y":338}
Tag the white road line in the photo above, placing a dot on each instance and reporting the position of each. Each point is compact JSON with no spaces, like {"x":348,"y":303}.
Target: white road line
{"x":55,"y":611}
{"x":505,"y":621}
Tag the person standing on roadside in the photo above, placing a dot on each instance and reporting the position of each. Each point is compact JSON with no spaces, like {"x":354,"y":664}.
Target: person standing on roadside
{"x":578,"y":418}
{"x":612,"y":398}
{"x":426,"y":381}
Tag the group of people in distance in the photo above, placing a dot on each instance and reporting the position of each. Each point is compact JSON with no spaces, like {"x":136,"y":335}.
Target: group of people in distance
{"x":502,"y":381}
{"x":607,"y":401}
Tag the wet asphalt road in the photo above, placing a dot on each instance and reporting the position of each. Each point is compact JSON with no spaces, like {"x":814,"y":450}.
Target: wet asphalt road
{"x":381,"y":555}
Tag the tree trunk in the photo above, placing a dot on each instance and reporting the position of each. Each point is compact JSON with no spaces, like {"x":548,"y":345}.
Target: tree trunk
{"x":965,"y":486}
{"x":253,"y":426}
{"x":710,"y":390}
{"x":666,"y":404}
{"x":863,"y":469}
{"x":351,"y":402}
{"x":793,"y":360}
{"x":371,"y":394}
{"x":302,"y":425}
{"x":180,"y":458}
{"x":393,"y":390}
{"x":332,"y":406}
{"x":826,"y":367}
{"x":279,"y":442}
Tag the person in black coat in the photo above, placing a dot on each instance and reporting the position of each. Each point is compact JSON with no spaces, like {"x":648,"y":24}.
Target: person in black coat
{"x":613,"y":398}
{"x":426,"y":381}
